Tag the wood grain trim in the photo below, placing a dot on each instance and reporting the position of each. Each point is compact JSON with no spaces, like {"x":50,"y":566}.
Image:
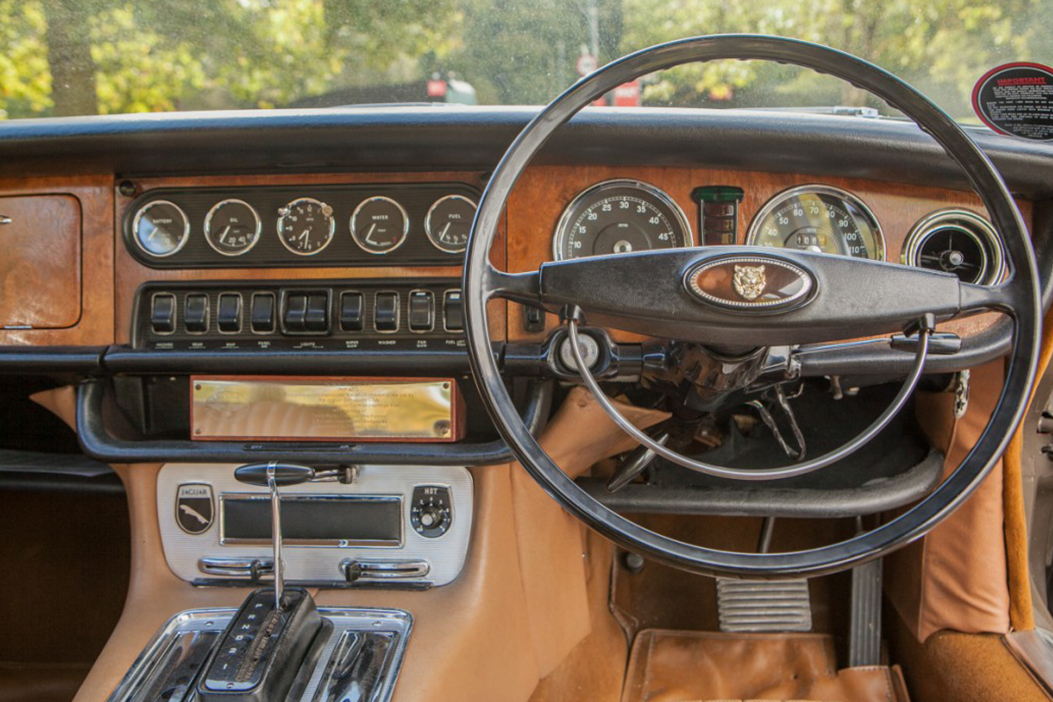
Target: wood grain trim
{"x":543,"y":192}
{"x":94,"y":326}
{"x":130,"y":274}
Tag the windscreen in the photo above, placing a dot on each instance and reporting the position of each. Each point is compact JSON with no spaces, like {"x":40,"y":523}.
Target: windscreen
{"x":86,"y":57}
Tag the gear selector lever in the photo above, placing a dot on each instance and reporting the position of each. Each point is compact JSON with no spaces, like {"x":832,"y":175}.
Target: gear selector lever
{"x":265,"y":644}
{"x":272,"y":476}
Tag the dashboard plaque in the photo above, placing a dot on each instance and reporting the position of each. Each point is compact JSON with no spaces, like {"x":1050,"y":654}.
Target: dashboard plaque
{"x":325,"y":409}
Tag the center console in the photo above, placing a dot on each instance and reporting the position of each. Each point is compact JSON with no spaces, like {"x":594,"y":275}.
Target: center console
{"x":369,"y":525}
{"x":393,"y":526}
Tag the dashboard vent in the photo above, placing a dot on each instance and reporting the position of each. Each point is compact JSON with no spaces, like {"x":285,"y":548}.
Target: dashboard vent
{"x":958,"y":242}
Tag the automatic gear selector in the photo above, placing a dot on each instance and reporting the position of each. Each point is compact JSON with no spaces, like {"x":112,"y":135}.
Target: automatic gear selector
{"x":264,"y":645}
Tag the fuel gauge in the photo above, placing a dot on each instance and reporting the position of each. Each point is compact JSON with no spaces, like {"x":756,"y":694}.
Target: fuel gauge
{"x":449,"y":222}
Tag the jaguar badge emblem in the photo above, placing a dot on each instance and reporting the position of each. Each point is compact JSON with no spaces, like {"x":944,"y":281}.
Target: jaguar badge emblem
{"x":749,"y":281}
{"x":194,"y":513}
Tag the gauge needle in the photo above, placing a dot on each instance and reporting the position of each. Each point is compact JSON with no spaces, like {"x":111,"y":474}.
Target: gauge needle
{"x":369,"y":234}
{"x":223,"y":235}
{"x":442,"y":234}
{"x":305,"y":236}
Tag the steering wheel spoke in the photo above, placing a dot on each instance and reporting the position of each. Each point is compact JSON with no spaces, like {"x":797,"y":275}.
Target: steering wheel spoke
{"x":1004,"y":297}
{"x":521,"y":287}
{"x":750,"y":296}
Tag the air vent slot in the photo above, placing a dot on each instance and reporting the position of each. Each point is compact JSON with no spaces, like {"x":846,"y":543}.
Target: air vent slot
{"x":958,"y":242}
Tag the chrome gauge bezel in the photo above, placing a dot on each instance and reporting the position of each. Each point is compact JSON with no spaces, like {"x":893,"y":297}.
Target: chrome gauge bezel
{"x":208,"y":227}
{"x":678,"y":213}
{"x":332,"y":226}
{"x":816,"y":188}
{"x":405,"y":225}
{"x":427,"y":222}
{"x":146,"y":208}
{"x":928,"y":225}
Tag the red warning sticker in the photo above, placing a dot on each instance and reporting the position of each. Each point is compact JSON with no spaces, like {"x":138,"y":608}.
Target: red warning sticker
{"x":1017,"y":100}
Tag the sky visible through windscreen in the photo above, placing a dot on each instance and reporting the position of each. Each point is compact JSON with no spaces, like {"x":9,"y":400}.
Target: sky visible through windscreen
{"x":83,"y":57}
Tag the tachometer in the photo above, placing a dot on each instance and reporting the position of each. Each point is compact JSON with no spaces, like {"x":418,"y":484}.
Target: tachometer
{"x":818,"y":218}
{"x":619,"y":216}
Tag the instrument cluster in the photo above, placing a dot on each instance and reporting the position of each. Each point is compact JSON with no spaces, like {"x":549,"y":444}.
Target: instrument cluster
{"x":622,"y":216}
{"x":331,"y":225}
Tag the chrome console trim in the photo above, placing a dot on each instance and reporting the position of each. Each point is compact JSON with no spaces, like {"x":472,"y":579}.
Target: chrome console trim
{"x":207,"y":558}
{"x":356,"y":646}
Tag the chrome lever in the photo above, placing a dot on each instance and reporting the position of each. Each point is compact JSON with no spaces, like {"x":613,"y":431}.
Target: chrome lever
{"x":366,"y":570}
{"x":252,"y":568}
{"x":272,"y":475}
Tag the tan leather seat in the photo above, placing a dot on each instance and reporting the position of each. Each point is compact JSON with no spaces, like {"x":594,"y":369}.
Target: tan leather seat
{"x":691,"y":666}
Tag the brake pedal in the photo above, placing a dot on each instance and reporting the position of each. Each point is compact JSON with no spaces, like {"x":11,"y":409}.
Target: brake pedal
{"x":763,"y":605}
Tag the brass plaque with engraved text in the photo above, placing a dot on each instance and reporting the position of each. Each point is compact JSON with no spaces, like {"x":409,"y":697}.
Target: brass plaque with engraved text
{"x":325,"y":409}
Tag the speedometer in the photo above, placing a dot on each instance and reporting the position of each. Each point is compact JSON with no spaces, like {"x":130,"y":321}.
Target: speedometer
{"x":818,"y":218}
{"x":619,"y":216}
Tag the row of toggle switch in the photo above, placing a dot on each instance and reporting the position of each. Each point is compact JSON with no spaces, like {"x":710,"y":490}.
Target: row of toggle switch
{"x":296,"y":312}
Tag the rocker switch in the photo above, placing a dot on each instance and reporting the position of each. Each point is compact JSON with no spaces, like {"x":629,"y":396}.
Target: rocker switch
{"x":162,"y":313}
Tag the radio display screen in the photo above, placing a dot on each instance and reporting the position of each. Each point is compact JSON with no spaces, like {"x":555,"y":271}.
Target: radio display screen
{"x":315,"y":520}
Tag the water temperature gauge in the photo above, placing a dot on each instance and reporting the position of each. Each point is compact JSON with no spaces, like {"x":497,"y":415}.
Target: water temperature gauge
{"x":379,"y":225}
{"x":306,"y":226}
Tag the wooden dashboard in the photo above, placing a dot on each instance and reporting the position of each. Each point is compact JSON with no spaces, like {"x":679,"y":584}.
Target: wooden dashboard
{"x":74,"y":282}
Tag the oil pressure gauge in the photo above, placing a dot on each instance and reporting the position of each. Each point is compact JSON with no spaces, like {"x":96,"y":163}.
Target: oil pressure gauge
{"x":232,"y":227}
{"x":306,"y":226}
{"x":449,"y":222}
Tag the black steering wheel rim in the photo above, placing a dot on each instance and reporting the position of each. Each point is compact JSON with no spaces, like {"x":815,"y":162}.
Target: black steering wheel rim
{"x":1021,"y":293}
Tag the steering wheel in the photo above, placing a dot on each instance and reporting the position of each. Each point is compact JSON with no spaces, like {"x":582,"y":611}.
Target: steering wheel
{"x":710,"y":295}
